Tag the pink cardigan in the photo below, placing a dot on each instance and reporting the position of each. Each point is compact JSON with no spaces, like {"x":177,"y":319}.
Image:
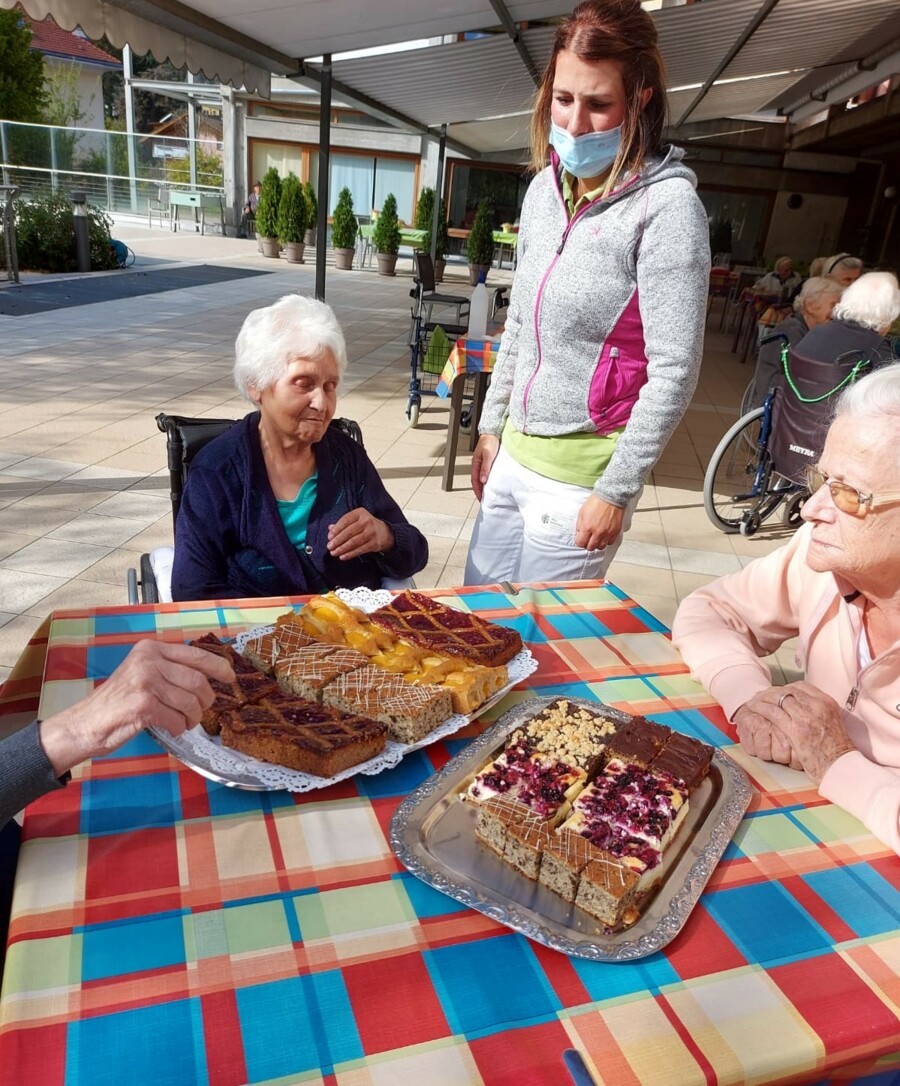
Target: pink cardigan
{"x":722,"y":630}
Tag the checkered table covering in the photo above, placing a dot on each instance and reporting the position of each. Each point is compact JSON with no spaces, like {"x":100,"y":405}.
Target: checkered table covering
{"x":167,"y":930}
{"x":467,"y":356}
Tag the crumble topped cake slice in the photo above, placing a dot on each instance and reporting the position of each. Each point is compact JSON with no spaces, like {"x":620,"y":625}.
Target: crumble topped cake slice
{"x":303,"y":735}
{"x":409,"y":711}
{"x":308,"y":670}
{"x":569,"y":732}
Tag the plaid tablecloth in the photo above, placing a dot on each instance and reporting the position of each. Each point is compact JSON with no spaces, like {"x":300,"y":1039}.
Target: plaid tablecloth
{"x":467,"y":356}
{"x":167,"y":930}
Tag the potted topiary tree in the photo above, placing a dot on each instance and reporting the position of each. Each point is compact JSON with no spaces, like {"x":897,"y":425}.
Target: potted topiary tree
{"x":343,"y":230}
{"x":480,"y":246}
{"x":424,"y":221}
{"x":443,"y":244}
{"x":267,"y":213}
{"x":386,"y":236}
{"x":292,"y":218}
{"x":312,"y":213}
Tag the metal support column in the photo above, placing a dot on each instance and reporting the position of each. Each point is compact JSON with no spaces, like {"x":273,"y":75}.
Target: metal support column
{"x":192,"y":132}
{"x":128,"y":71}
{"x":438,"y":189}
{"x":322,"y":195}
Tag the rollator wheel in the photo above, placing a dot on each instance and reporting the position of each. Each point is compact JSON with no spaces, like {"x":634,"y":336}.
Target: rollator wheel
{"x":750,"y":523}
{"x":791,"y":515}
{"x":412,"y":413}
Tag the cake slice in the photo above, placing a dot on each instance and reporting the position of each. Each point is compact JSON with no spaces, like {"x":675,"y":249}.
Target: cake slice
{"x":639,"y":742}
{"x":247,"y":687}
{"x":539,"y":782}
{"x":686,"y":758}
{"x":302,"y":735}
{"x":569,"y":732}
{"x":409,"y":711}
{"x":308,"y":670}
{"x":566,"y":855}
{"x":608,"y":890}
{"x":328,"y":618}
{"x":514,"y":832}
{"x":262,"y":652}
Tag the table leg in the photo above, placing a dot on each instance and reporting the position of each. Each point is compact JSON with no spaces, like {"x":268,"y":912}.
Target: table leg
{"x":456,"y":396}
{"x":481,"y":384}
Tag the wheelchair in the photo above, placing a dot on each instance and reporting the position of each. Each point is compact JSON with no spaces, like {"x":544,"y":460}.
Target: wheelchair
{"x":758,"y":465}
{"x":185,"y":437}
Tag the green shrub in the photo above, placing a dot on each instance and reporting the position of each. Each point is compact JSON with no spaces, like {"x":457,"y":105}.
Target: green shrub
{"x":343,"y":222}
{"x":480,"y":246}
{"x":267,"y":208}
{"x":45,"y":235}
{"x":425,"y":210}
{"x":312,"y":204}
{"x":291,"y":211}
{"x":424,"y":219}
{"x":386,"y":235}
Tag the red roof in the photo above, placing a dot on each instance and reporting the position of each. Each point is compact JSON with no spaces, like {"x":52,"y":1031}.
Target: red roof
{"x":52,"y":39}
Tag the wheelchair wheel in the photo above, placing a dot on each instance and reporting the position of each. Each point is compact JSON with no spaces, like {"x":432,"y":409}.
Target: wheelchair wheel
{"x":736,"y":490}
{"x":149,"y":592}
{"x":747,"y":399}
{"x":791,"y":515}
{"x":412,"y":412}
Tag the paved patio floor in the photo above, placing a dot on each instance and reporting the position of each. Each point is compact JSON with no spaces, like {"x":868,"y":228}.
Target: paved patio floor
{"x":83,"y":485}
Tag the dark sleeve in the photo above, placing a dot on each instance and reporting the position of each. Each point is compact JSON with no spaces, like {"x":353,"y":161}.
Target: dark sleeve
{"x":200,"y":567}
{"x":25,"y":772}
{"x":410,"y":551}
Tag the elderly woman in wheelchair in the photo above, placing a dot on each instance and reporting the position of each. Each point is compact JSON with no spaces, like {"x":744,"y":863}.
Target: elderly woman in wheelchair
{"x":284,"y":503}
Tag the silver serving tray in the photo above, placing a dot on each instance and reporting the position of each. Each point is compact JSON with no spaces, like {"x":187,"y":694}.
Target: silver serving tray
{"x":433,"y":835}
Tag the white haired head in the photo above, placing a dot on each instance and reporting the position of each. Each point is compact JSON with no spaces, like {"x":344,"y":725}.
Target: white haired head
{"x":815,"y":290}
{"x":843,"y":268}
{"x":872,"y":301}
{"x":874,"y":397}
{"x":293,"y":327}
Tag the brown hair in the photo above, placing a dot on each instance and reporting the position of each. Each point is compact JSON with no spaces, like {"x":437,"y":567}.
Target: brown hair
{"x":617,"y":30}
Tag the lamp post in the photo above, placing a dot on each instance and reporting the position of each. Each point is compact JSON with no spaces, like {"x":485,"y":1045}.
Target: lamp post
{"x":82,"y":236}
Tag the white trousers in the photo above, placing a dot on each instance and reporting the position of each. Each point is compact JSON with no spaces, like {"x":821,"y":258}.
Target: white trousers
{"x":525,"y":530}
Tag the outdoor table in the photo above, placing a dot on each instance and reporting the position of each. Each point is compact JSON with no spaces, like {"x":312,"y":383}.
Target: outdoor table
{"x":200,"y":202}
{"x":408,"y":236}
{"x":506,"y":240}
{"x":468,"y":356}
{"x":166,"y":929}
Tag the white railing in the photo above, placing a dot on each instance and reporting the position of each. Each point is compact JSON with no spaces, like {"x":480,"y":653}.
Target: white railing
{"x":118,"y":171}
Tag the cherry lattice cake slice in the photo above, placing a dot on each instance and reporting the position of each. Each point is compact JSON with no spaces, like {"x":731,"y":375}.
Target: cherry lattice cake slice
{"x":303,"y":735}
{"x":442,"y":629}
{"x":249,"y":685}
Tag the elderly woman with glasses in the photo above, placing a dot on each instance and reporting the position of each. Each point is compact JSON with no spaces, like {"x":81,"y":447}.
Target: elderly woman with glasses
{"x":283,"y":503}
{"x":835,"y":587}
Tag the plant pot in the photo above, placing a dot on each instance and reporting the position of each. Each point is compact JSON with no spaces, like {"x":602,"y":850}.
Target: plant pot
{"x":343,"y":258}
{"x":439,"y":265}
{"x":269,"y":246}
{"x":293,"y":251}
{"x":309,"y":238}
{"x":387,"y":263}
{"x":475,"y":271}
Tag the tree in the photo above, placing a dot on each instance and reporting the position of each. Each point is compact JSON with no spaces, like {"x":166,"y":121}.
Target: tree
{"x":291,"y":224}
{"x":21,"y":71}
{"x":343,"y":222}
{"x":386,"y":235}
{"x":267,"y":208}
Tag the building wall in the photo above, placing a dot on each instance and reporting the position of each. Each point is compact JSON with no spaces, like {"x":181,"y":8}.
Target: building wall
{"x":89,"y":87}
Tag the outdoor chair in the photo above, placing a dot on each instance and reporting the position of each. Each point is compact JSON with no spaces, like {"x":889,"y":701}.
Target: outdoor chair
{"x":158,"y":205}
{"x":185,"y":437}
{"x":429,"y":295}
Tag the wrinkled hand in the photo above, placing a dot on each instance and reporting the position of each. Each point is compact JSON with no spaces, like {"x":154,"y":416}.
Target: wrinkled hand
{"x":157,"y":683}
{"x":359,"y":532}
{"x":598,"y":524}
{"x":483,"y":460}
{"x":806,"y":732}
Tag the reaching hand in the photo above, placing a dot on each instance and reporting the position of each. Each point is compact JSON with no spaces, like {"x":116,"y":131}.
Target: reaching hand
{"x":359,"y":532}
{"x":482,"y":461}
{"x":157,"y":683}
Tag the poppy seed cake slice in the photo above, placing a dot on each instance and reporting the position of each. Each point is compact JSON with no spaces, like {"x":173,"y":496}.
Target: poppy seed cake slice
{"x":410,"y":711}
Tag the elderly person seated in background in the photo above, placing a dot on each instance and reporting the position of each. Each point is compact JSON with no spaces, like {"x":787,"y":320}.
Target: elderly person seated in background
{"x":281,"y":504}
{"x":836,"y":586}
{"x":780,"y":282}
{"x":859,"y":323}
{"x":843,"y":268}
{"x":812,"y":306}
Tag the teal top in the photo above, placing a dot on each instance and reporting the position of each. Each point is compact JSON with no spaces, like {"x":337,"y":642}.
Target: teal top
{"x":295,"y":514}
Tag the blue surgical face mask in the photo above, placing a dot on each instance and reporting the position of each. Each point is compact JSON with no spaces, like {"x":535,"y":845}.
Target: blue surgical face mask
{"x":589,"y":155}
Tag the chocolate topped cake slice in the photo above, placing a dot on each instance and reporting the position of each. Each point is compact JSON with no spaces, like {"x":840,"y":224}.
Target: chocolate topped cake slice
{"x":639,"y":741}
{"x":686,"y":758}
{"x":302,"y":735}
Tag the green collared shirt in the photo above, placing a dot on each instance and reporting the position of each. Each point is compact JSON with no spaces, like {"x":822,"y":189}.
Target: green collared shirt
{"x":568,"y":189}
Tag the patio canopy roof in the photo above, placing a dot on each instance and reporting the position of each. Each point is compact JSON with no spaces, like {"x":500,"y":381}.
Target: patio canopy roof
{"x":725,"y":58}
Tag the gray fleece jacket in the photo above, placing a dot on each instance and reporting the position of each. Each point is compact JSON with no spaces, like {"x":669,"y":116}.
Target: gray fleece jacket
{"x":606,"y":318}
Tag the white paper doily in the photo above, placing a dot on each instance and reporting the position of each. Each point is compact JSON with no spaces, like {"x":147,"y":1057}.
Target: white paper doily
{"x":205,"y":753}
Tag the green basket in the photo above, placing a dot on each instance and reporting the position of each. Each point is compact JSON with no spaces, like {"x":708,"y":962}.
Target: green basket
{"x":437,"y":351}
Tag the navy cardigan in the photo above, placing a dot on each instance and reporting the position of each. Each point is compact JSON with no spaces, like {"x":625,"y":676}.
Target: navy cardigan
{"x":229,"y":539}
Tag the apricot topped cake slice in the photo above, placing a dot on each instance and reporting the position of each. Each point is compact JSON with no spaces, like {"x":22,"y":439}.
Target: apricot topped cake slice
{"x":328,"y":618}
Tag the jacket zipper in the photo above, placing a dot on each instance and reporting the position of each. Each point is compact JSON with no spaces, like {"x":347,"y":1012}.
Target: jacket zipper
{"x":546,"y":276}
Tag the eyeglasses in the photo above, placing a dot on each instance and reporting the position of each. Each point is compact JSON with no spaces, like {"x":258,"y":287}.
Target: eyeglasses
{"x":847,"y":498}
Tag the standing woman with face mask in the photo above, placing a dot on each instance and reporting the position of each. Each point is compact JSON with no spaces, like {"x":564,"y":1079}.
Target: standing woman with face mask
{"x":604,"y":337}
